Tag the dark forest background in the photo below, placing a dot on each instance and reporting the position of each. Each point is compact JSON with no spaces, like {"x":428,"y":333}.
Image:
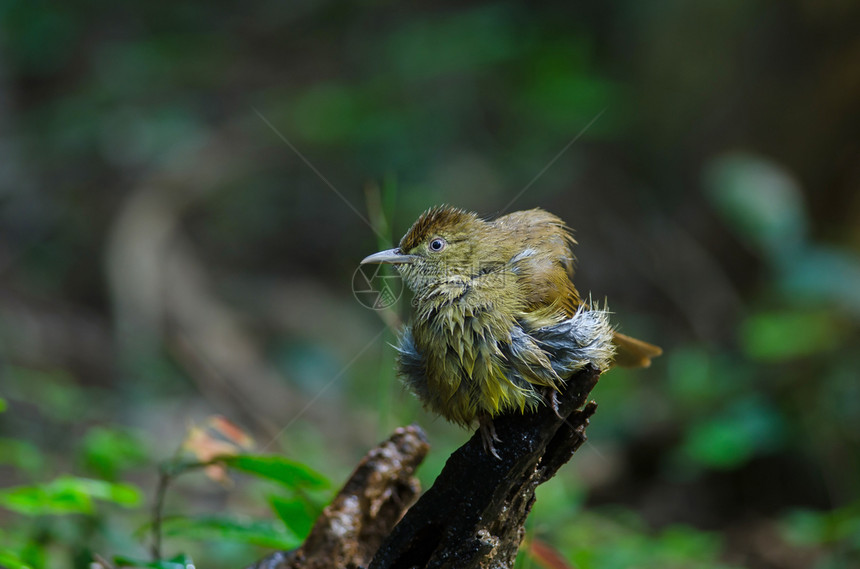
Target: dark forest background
{"x":186,"y":189}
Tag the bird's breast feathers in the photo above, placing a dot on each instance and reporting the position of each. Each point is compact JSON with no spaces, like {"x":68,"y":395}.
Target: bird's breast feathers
{"x":466,"y":363}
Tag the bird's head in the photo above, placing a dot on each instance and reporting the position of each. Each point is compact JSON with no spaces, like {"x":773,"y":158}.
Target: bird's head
{"x":444,"y":247}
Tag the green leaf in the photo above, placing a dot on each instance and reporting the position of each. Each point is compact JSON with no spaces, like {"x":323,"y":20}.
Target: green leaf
{"x":282,"y":470}
{"x":118,"y":493}
{"x":181,"y":561}
{"x":67,"y":495}
{"x":41,"y":500}
{"x":3,"y":405}
{"x":296,"y":513}
{"x":108,"y":451}
{"x":264,"y":533}
{"x":8,"y":560}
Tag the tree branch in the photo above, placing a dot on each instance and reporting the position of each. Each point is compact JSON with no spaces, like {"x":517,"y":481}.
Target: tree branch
{"x":472,"y":516}
{"x":350,"y":529}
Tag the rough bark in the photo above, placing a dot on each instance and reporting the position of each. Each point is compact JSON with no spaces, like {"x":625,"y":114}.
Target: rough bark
{"x":350,"y":529}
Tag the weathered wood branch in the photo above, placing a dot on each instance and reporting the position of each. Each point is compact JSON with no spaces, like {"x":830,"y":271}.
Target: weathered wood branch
{"x":473,"y":515}
{"x":350,"y":529}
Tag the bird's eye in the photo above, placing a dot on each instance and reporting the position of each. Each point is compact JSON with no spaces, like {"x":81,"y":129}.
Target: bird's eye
{"x":437,"y":244}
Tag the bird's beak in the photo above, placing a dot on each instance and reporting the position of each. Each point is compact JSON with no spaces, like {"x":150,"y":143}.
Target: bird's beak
{"x":390,"y":256}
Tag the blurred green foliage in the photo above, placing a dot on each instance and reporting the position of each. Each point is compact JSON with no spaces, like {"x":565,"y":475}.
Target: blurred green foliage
{"x":180,"y":561}
{"x":618,"y":543}
{"x":67,"y":495}
{"x":837,"y":532}
{"x":265,"y":533}
{"x":614,"y":537}
{"x":108,"y":452}
{"x":165,"y":256}
{"x":736,"y":434}
{"x":295,"y":507}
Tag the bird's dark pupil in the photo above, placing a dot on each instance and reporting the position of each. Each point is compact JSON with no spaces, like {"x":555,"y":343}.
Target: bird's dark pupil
{"x":436,"y":244}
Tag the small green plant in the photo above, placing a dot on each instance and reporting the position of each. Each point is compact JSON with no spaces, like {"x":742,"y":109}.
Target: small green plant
{"x":216,"y":449}
{"x":62,"y":518}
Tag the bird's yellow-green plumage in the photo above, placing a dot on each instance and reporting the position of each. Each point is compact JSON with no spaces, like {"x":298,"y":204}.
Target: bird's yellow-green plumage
{"x":498,"y":322}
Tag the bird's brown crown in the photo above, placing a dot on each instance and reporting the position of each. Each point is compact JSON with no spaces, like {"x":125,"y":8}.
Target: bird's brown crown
{"x":432,"y":222}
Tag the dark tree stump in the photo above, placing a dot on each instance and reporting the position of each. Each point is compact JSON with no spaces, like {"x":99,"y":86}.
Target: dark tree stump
{"x":473,"y":515}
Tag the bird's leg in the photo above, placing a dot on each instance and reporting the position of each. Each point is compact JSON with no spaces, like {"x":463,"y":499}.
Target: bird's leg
{"x":488,"y":435}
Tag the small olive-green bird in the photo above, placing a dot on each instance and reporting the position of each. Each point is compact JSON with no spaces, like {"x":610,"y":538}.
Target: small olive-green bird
{"x":498,"y":324}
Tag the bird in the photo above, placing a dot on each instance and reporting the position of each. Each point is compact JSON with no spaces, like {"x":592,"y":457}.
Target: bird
{"x":498,"y":324}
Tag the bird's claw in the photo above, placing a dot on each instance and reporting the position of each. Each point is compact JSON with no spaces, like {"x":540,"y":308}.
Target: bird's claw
{"x":488,"y":436}
{"x":553,"y":403}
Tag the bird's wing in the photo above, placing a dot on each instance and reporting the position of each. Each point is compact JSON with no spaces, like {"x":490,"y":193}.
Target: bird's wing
{"x":542,"y":262}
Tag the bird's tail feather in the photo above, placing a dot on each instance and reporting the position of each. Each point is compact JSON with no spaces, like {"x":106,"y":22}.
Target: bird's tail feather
{"x":630,"y":352}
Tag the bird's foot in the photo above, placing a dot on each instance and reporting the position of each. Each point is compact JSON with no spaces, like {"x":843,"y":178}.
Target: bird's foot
{"x":551,"y":397}
{"x":488,"y":435}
